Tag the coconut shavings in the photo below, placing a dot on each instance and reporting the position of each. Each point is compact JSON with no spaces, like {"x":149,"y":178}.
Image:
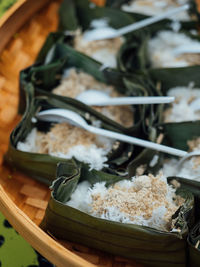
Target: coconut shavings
{"x":155,"y":7}
{"x":104,"y":51}
{"x":75,"y":83}
{"x":181,"y":109}
{"x":162,"y":50}
{"x":67,"y":141}
{"x":144,"y":200}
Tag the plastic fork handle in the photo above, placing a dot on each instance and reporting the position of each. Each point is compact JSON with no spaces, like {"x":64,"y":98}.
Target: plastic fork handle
{"x":137,"y":141}
{"x":151,"y":20}
{"x":117,"y":101}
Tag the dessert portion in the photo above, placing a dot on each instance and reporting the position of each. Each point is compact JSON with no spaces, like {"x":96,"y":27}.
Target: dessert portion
{"x":144,"y":200}
{"x":67,"y":141}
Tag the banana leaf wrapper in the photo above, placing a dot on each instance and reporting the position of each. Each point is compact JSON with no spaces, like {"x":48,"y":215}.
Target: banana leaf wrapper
{"x":177,"y":134}
{"x":42,"y":166}
{"x":194,"y":245}
{"x":191,"y":186}
{"x":193,"y":238}
{"x":145,"y":245}
{"x":64,"y":56}
{"x":133,"y":57}
{"x":116,"y":4}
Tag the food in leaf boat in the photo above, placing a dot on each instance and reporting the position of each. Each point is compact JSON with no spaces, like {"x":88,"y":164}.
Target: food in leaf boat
{"x":164,"y":50}
{"x":116,"y":233}
{"x":67,"y":141}
{"x":182,"y":114}
{"x":145,"y":200}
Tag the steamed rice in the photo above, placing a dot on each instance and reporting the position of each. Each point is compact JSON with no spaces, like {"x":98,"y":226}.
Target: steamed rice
{"x":67,"y":141}
{"x":144,"y":200}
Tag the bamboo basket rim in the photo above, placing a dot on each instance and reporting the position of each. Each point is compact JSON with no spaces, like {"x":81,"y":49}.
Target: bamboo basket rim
{"x":8,"y":23}
{"x":35,"y":236}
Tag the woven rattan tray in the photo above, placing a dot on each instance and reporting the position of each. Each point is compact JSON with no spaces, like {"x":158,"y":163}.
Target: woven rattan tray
{"x":23,"y":30}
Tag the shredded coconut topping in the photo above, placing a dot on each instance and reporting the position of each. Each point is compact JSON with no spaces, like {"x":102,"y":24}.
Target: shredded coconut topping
{"x":163,"y":47}
{"x":104,"y":51}
{"x":154,"y":7}
{"x":181,"y":109}
{"x":67,"y":141}
{"x":144,"y":200}
{"x":75,"y":83}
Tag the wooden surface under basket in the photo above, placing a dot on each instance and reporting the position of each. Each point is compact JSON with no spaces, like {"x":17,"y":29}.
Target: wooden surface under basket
{"x":23,"y":200}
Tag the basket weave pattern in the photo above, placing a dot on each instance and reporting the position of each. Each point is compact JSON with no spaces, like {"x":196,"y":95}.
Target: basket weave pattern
{"x":29,"y":195}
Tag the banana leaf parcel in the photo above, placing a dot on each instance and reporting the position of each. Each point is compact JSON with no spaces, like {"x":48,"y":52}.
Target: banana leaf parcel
{"x":44,"y":77}
{"x":123,"y":157}
{"x":146,"y":245}
{"x":42,"y":166}
{"x":133,"y":56}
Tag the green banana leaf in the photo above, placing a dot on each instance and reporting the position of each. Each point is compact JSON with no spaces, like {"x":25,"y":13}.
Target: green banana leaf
{"x":193,"y":187}
{"x":178,"y":133}
{"x":116,"y":3}
{"x":194,"y":245}
{"x":145,"y":245}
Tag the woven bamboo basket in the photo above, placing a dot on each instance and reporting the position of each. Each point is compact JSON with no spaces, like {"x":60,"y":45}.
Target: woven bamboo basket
{"x":23,"y":30}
